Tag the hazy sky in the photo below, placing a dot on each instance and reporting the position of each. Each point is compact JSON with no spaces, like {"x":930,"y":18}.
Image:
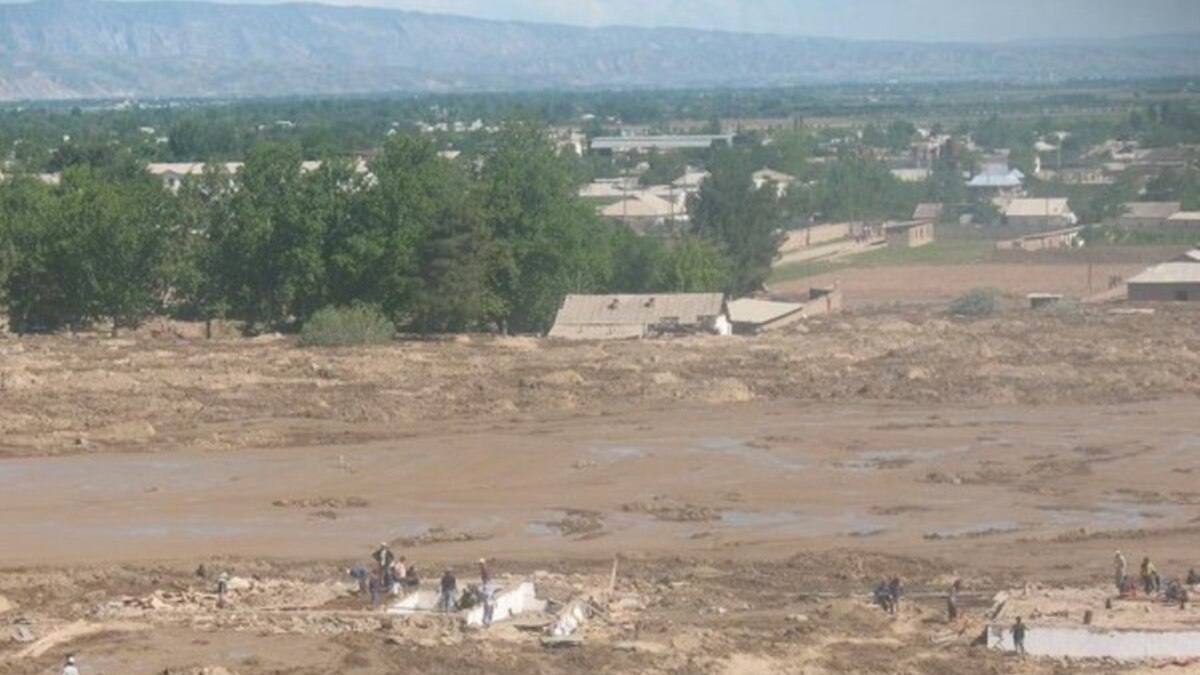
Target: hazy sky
{"x":938,"y":20}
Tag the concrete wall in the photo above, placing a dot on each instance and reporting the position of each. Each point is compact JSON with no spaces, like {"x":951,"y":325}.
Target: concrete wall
{"x":911,"y":237}
{"x":815,"y":235}
{"x":822,"y":301}
{"x":1164,"y":292}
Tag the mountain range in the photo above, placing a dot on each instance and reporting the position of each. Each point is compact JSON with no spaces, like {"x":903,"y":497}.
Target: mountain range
{"x":94,"y":49}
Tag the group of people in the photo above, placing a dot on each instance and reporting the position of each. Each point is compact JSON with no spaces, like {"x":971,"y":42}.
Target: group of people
{"x":1151,"y":582}
{"x":887,"y":595}
{"x":393,"y":574}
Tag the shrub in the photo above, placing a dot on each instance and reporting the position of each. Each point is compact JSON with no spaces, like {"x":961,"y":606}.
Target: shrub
{"x":347,"y":326}
{"x":976,"y":302}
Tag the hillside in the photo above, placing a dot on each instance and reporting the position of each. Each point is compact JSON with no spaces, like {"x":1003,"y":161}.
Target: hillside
{"x":64,"y":49}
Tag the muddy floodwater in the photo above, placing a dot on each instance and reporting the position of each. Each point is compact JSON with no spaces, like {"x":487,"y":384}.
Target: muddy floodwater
{"x":745,"y":480}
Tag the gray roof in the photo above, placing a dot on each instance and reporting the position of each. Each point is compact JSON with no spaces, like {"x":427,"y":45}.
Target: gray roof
{"x":749,"y":310}
{"x":1170,"y":273}
{"x":660,"y":142}
{"x":684,"y":309}
{"x":928,"y":211}
{"x":1151,"y":209}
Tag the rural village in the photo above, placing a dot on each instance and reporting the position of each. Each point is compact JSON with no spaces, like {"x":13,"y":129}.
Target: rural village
{"x":847,"y":392}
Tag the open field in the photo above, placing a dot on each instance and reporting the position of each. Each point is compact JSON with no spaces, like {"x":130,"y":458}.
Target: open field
{"x":755,"y":489}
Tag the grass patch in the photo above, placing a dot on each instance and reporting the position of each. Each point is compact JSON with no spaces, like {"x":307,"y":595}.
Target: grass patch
{"x":976,"y":302}
{"x":347,"y":326}
{"x":952,"y":248}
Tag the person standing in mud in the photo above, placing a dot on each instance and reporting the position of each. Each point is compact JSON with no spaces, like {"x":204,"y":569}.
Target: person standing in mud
{"x":69,"y":668}
{"x":895,"y":590}
{"x":1018,"y":635}
{"x":485,"y":572}
{"x":1121,"y":569}
{"x":446,"y":602}
{"x":1150,"y":579}
{"x":952,"y":600}
{"x":222,"y":590}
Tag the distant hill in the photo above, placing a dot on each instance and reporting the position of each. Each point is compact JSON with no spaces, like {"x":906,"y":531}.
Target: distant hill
{"x":67,"y":49}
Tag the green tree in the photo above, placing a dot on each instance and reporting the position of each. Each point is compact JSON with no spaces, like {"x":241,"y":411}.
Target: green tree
{"x":695,"y":265}
{"x":746,"y":223}
{"x":544,"y":232}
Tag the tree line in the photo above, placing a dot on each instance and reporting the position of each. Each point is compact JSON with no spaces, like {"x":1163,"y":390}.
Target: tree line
{"x":436,"y":245}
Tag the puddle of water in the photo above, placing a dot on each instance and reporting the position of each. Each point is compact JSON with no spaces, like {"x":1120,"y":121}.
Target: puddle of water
{"x":736,"y":448}
{"x":976,"y":530}
{"x":878,"y":459}
{"x":622,"y":452}
{"x":854,"y":524}
{"x":541,"y":530}
{"x":1104,"y":516}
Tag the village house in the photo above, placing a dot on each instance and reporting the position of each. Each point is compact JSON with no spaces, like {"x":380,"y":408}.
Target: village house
{"x":1147,"y":215}
{"x":911,"y":234}
{"x":1184,"y":221}
{"x":1168,"y":282}
{"x":780,"y":180}
{"x":1037,"y":214}
{"x":931,"y":211}
{"x":621,"y":317}
{"x":644,"y":211}
{"x":620,"y":144}
{"x":996,"y":180}
{"x":1043,"y":241}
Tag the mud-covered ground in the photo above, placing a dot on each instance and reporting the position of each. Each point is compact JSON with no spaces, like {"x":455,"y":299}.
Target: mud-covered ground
{"x":754,"y":489}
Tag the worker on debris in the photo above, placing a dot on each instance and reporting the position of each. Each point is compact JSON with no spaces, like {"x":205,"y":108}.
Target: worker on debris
{"x":895,"y":590}
{"x":359,"y":574}
{"x":222,"y":590}
{"x":952,"y":600}
{"x":446,"y":601}
{"x":1177,"y":592}
{"x":1150,"y":579}
{"x":485,"y":572}
{"x":1018,"y":635}
{"x":1121,"y":569}
{"x":69,"y":668}
{"x":412,"y":578}
{"x":398,"y":571}
{"x":488,"y":592}
{"x":375,"y":587}
{"x":1193,"y":578}
{"x":384,"y":558}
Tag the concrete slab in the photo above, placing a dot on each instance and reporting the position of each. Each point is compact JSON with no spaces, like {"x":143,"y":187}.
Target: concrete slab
{"x":1086,"y":643}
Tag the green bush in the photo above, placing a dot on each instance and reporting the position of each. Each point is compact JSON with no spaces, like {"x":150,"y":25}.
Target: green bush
{"x":347,"y":326}
{"x":976,"y":302}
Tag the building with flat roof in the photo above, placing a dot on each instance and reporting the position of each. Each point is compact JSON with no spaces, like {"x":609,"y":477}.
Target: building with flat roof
{"x":1147,"y":215}
{"x":661,"y":143}
{"x":911,"y":234}
{"x":1038,"y":214}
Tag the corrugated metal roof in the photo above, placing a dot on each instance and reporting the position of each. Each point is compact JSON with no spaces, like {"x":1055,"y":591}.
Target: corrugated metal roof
{"x":1170,"y":273}
{"x":685,"y":309}
{"x":749,"y":310}
{"x":1185,"y":216}
{"x":661,"y":142}
{"x":641,"y":205}
{"x":928,"y":211}
{"x":1032,"y":208}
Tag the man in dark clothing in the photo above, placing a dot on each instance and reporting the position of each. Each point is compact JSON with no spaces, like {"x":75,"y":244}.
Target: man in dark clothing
{"x":359,"y":574}
{"x":882,"y":597}
{"x":446,"y":602}
{"x":384,"y":558}
{"x":952,"y":600}
{"x":1018,"y":634}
